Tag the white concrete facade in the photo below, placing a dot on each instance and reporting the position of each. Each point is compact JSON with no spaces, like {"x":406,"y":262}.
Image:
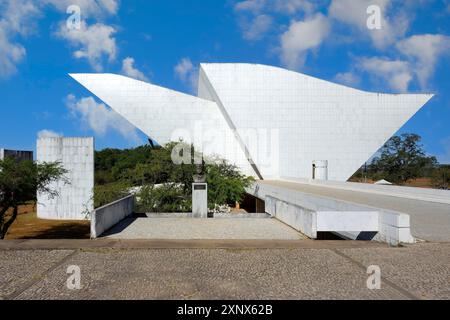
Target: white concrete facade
{"x":166,"y":115}
{"x":75,"y":200}
{"x":271,"y":122}
{"x":315,"y":119}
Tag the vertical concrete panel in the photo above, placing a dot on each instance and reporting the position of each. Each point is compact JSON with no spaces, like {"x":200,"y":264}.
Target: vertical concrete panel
{"x":75,"y":200}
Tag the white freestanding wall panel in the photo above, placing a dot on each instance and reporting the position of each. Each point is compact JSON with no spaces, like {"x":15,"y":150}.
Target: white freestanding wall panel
{"x":75,"y":200}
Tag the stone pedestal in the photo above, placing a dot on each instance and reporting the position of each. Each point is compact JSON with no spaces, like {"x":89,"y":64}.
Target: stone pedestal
{"x":200,"y":200}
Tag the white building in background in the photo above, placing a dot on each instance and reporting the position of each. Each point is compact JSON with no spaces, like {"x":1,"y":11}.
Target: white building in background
{"x":273,"y":123}
{"x":18,"y":155}
{"x":75,"y":200}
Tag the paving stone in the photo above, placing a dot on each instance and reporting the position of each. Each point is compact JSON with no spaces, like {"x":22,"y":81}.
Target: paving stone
{"x":190,"y":228}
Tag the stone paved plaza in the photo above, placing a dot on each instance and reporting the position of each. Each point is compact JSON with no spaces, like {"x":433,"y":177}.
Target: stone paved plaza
{"x":190,"y":228}
{"x":303,"y":269}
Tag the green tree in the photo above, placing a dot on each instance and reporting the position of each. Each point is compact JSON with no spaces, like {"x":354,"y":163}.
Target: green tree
{"x":167,"y":197}
{"x":107,"y":193}
{"x":402,"y":158}
{"x":19,"y":183}
{"x":226,"y":185}
{"x":441,"y":177}
{"x":119,"y":170}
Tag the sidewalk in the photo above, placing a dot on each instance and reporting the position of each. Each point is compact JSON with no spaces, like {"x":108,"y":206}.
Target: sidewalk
{"x":156,"y":269}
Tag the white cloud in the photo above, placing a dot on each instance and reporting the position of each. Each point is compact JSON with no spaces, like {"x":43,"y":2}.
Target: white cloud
{"x":291,"y":7}
{"x":348,"y":78}
{"x":19,"y":18}
{"x":257,"y":27}
{"x":10,"y":55}
{"x":423,"y":51}
{"x":257,"y":17}
{"x":16,"y":19}
{"x":187,"y":73}
{"x":301,"y":37}
{"x":254,"y":6}
{"x":94,"y":42}
{"x":99,"y":118}
{"x":354,"y":13}
{"x":129,"y":70}
{"x":89,"y":8}
{"x":110,"y":6}
{"x":395,"y":72}
{"x":48,"y":134}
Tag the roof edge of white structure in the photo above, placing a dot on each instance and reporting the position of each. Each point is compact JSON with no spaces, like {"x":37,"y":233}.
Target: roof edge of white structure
{"x":205,"y":64}
{"x":78,"y":77}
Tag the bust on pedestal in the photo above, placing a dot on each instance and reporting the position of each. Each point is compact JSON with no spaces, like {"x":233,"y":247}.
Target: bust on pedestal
{"x":200,"y":194}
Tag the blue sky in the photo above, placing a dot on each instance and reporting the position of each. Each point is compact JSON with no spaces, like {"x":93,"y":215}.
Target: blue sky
{"x":164,"y":41}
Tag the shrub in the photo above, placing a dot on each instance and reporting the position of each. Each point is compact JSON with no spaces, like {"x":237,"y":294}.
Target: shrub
{"x":107,"y":193}
{"x":168,"y":197}
{"x":226,"y":185}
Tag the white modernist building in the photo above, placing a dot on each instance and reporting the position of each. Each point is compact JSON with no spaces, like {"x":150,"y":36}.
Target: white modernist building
{"x":271,"y":122}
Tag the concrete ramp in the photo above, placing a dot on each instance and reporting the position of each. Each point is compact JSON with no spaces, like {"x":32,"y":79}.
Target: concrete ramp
{"x":310,"y":214}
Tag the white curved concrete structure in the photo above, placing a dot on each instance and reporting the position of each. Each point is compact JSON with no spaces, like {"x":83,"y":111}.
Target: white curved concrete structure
{"x":166,"y":115}
{"x":316,"y":119}
{"x":271,"y":122}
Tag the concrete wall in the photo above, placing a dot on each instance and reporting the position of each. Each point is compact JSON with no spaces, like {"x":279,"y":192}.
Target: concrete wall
{"x":105,"y":217}
{"x":310,"y":214}
{"x":75,"y":200}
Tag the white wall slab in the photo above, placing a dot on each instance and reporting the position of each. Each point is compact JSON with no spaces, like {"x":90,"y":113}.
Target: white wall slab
{"x":75,"y":200}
